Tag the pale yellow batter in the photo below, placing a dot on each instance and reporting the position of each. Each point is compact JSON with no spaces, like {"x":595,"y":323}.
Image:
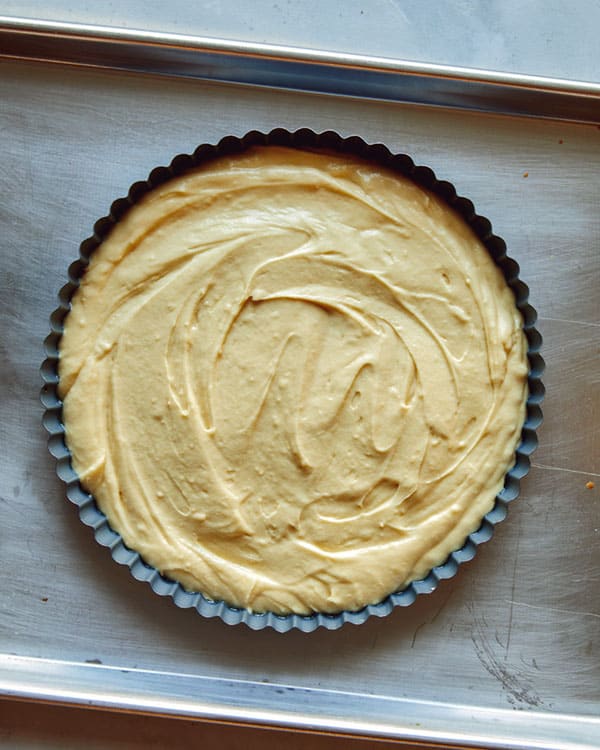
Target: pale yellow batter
{"x":293,"y":381}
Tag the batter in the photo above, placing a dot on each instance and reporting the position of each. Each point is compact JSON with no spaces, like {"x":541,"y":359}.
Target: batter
{"x":293,"y":381}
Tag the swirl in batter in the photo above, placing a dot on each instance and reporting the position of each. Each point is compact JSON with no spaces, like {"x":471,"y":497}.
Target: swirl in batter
{"x":293,"y":381}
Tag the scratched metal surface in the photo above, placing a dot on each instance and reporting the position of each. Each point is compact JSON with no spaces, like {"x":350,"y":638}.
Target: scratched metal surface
{"x":519,"y":627}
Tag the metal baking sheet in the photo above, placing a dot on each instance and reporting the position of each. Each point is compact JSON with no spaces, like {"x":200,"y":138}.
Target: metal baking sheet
{"x":506,"y":654}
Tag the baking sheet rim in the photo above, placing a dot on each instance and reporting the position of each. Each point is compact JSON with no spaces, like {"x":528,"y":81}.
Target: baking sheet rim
{"x":299,"y":69}
{"x":147,"y":692}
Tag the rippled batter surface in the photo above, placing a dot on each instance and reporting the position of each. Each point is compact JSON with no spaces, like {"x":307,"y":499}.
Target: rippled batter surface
{"x":293,"y":381}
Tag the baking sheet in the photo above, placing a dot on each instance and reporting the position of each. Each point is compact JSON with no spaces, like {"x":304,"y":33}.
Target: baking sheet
{"x":504,"y":654}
